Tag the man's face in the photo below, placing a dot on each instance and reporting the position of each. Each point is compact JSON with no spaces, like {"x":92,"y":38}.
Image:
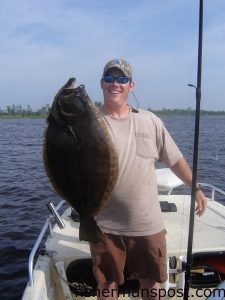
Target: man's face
{"x":115,"y":93}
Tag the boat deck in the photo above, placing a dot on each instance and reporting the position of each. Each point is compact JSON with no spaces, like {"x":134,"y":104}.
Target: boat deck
{"x":211,"y":224}
{"x":63,"y":247}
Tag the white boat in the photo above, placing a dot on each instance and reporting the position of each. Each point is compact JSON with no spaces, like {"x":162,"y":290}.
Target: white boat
{"x":63,"y":269}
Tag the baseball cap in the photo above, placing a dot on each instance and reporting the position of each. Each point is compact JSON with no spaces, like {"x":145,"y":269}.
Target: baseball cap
{"x":120,"y":64}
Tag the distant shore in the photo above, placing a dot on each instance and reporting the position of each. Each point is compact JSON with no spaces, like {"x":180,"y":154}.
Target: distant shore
{"x":186,"y":112}
{"x":162,"y":112}
{"x":21,"y":117}
{"x":18,"y":112}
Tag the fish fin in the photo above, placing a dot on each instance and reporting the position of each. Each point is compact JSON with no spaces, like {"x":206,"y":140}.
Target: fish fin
{"x":90,"y":231}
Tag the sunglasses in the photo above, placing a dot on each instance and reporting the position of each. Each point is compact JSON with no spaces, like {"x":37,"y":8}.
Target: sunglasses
{"x":119,"y":79}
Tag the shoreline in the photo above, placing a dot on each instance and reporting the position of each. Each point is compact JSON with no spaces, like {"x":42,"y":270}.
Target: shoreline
{"x":156,"y":112}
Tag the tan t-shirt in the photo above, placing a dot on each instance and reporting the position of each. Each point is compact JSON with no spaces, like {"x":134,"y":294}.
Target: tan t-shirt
{"x":140,"y":139}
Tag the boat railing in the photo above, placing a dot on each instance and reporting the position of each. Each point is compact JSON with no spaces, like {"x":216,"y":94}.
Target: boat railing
{"x":213,"y":189}
{"x":47,"y":226}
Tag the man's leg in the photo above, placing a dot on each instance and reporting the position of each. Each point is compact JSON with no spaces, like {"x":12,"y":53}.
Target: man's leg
{"x":107,"y":291}
{"x":108,"y":264}
{"x":146,"y":260}
{"x":150,"y":290}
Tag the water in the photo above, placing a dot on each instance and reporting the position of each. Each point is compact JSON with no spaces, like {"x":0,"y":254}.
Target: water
{"x":25,"y":190}
{"x":211,"y":165}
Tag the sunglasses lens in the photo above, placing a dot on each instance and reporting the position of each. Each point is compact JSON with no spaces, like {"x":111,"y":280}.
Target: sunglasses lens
{"x":108,"y":78}
{"x":120,"y":79}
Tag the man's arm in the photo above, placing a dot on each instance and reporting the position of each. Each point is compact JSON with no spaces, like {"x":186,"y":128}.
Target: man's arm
{"x":183,"y":171}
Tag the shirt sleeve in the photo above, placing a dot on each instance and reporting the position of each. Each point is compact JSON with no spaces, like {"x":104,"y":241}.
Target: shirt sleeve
{"x":169,"y":152}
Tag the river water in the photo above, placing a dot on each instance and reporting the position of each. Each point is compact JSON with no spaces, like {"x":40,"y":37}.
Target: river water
{"x":25,"y":189}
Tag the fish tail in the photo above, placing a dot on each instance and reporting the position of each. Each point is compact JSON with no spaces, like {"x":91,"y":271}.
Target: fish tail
{"x":90,"y":231}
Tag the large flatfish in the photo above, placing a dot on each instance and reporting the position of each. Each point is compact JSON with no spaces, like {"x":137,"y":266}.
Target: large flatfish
{"x":79,"y":156}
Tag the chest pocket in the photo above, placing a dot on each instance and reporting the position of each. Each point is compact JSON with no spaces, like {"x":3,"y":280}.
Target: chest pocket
{"x":145,"y":146}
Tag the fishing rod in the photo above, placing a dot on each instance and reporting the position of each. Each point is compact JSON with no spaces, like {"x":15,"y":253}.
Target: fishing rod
{"x":195,"y":156}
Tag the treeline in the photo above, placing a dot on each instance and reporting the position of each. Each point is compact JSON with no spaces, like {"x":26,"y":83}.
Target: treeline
{"x":188,"y":111}
{"x":17,"y":111}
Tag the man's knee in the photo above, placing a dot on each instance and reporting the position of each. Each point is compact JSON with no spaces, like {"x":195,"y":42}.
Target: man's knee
{"x":150,"y":289}
{"x":147,"y":282}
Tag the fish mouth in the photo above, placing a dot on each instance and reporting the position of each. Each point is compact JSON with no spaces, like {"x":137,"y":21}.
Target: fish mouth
{"x":70,"y":85}
{"x":73,"y":101}
{"x":69,"y":105}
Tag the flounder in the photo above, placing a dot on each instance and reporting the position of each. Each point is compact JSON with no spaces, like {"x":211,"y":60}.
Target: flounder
{"x":79,"y":156}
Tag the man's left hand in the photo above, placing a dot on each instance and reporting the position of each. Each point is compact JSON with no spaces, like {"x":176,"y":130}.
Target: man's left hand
{"x":201,"y":203}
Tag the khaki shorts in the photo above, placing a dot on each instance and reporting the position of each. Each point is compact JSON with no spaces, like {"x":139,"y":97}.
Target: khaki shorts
{"x":144,"y":257}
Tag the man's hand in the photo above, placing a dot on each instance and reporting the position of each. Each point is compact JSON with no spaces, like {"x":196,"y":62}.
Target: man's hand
{"x":183,"y":171}
{"x":201,"y":203}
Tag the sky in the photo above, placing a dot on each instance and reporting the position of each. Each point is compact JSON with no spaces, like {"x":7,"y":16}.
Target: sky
{"x":45,"y":42}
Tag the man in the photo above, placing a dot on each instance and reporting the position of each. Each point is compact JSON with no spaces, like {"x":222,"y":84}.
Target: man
{"x":132,"y":220}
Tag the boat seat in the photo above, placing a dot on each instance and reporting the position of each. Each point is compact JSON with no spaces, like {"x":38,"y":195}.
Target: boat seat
{"x":167,"y":180}
{"x":79,"y":273}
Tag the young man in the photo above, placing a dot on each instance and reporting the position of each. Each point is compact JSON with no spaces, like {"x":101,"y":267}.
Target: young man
{"x":132,"y":220}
